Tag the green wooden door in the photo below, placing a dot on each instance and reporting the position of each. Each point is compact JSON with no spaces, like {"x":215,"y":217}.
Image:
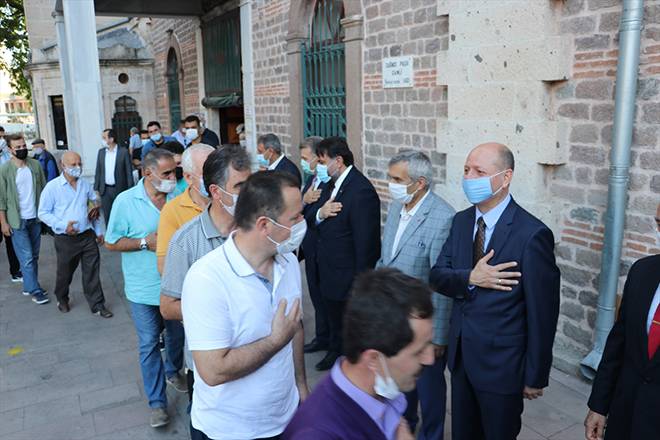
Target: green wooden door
{"x":173,"y":89}
{"x":323,"y":72}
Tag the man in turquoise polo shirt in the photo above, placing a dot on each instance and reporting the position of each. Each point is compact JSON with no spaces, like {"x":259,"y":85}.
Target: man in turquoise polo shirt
{"x":132,"y":231}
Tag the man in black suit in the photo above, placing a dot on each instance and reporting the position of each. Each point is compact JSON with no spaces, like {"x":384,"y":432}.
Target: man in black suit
{"x":114,"y":171}
{"x":271,"y":157}
{"x":311,"y":195}
{"x":347,"y":221}
{"x":498,"y":264}
{"x":626,"y":391}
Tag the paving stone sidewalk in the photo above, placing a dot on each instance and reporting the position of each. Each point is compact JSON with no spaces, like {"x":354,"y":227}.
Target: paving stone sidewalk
{"x":76,"y":376}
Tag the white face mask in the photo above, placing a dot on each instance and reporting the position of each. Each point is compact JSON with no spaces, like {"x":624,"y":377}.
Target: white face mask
{"x":386,"y":386}
{"x":292,"y":243}
{"x":234,"y":198}
{"x":37,"y":150}
{"x":74,"y":172}
{"x":104,"y":143}
{"x":191,"y":134}
{"x":399,"y":192}
{"x":164,"y":185}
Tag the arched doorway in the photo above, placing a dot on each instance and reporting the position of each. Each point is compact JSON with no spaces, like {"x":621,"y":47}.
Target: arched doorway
{"x":125,"y":117}
{"x":173,"y":89}
{"x":324,"y":72}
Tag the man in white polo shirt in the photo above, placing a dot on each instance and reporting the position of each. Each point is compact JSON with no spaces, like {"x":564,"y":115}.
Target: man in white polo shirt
{"x":242,"y":316}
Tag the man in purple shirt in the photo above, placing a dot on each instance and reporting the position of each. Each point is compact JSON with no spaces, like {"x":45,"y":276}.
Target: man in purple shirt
{"x":385,"y":352}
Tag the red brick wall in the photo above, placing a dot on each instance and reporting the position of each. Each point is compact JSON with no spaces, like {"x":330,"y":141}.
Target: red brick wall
{"x":580,"y":187}
{"x":270,"y":21}
{"x":184,"y":32}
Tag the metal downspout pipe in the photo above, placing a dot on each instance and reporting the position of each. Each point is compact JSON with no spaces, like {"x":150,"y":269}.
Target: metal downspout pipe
{"x":626,"y":91}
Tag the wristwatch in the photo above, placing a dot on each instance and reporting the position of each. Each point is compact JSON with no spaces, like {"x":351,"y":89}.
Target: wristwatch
{"x":143,"y":244}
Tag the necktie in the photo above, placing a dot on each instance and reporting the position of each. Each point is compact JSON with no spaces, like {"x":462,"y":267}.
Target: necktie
{"x":479,"y":240}
{"x":654,"y":334}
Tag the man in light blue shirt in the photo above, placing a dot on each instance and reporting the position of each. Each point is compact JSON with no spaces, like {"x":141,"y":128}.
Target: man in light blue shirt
{"x":132,"y":231}
{"x":64,"y":206}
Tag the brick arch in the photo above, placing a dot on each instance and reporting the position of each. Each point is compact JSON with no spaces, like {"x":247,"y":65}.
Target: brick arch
{"x":300,"y":14}
{"x":173,"y":45}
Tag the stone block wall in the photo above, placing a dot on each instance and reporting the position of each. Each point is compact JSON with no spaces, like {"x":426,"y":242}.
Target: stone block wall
{"x":395,"y":119}
{"x":271,"y":75}
{"x":579,"y":188}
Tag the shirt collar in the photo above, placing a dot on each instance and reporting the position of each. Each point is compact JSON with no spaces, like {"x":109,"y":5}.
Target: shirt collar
{"x":239,"y":264}
{"x":375,"y":408}
{"x":413,"y":211}
{"x":208,"y":227}
{"x":342,"y":177}
{"x":274,"y":165}
{"x":492,"y":216}
{"x":187,"y":201}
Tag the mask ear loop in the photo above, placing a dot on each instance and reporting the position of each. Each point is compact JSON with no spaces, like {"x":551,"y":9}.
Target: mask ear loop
{"x":501,"y":186}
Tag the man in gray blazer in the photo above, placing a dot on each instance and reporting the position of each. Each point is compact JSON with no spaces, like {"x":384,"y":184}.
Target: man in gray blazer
{"x":114,"y":171}
{"x":418,"y":223}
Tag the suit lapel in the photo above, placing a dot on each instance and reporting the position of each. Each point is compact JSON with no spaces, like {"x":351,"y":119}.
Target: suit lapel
{"x":413,"y":225}
{"x":647,"y":289}
{"x":465,"y":234}
{"x":502,"y":229}
{"x":344,"y":184}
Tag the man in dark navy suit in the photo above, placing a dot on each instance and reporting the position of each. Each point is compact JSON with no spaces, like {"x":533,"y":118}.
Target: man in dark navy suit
{"x":346,"y":220}
{"x":626,"y":391}
{"x":270,"y":156}
{"x":311,"y":194}
{"x":498,"y":264}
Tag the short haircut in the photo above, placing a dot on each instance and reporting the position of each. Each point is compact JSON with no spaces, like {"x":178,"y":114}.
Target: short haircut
{"x":378,"y":311}
{"x":419,"y":165}
{"x":173,"y":147}
{"x":151,"y":123}
{"x":38,"y":141}
{"x":111,"y":134}
{"x":262,"y":195}
{"x":311,"y":142}
{"x":134,"y":130}
{"x":270,"y":140}
{"x":187,"y":162}
{"x":154,"y":156}
{"x":192,"y":118}
{"x":13,"y":137}
{"x":333,"y":147}
{"x":506,"y":158}
{"x":216,"y":167}
{"x":2,"y":128}
{"x":144,"y":131}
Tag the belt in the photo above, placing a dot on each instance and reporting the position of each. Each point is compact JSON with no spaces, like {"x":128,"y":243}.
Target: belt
{"x":110,"y":186}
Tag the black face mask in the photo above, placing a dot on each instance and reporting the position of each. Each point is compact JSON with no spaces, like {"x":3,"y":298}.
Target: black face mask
{"x":179,"y":173}
{"x":21,"y":154}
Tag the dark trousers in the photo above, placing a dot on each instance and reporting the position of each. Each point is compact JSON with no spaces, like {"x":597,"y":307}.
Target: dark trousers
{"x":107,"y":199}
{"x":335,"y":313}
{"x":14,"y":265}
{"x":190,"y":382}
{"x":478,"y":415}
{"x":196,"y":434}
{"x":431,"y":393}
{"x":74,"y":249}
{"x":320,"y":314}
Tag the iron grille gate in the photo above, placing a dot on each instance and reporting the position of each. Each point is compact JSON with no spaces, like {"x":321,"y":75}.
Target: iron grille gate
{"x":323,"y":73}
{"x":125,"y":117}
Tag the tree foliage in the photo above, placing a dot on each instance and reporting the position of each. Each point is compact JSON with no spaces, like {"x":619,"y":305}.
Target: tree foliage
{"x":13,"y":37}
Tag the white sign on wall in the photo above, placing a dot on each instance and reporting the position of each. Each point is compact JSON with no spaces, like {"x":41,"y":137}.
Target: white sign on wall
{"x":397,"y":72}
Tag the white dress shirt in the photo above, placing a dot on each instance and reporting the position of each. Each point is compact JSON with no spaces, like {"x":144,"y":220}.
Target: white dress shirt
{"x":404,"y":219}
{"x":274,"y":165}
{"x":60,"y":203}
{"x":654,"y":306}
{"x":226,"y":304}
{"x":110,"y":161}
{"x":338,"y":183}
{"x":490,"y":218}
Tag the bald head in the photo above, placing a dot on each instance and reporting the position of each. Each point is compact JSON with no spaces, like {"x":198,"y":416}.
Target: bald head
{"x":71,"y":159}
{"x":498,"y":154}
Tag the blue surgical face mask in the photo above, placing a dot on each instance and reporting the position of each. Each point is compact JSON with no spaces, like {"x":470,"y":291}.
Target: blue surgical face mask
{"x":263,"y":162}
{"x":322,"y":173}
{"x":156,"y":137}
{"x":306,"y":167}
{"x":202,"y":188}
{"x":479,"y":190}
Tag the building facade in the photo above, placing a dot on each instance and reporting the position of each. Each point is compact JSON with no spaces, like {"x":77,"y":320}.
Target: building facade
{"x":440,"y":76}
